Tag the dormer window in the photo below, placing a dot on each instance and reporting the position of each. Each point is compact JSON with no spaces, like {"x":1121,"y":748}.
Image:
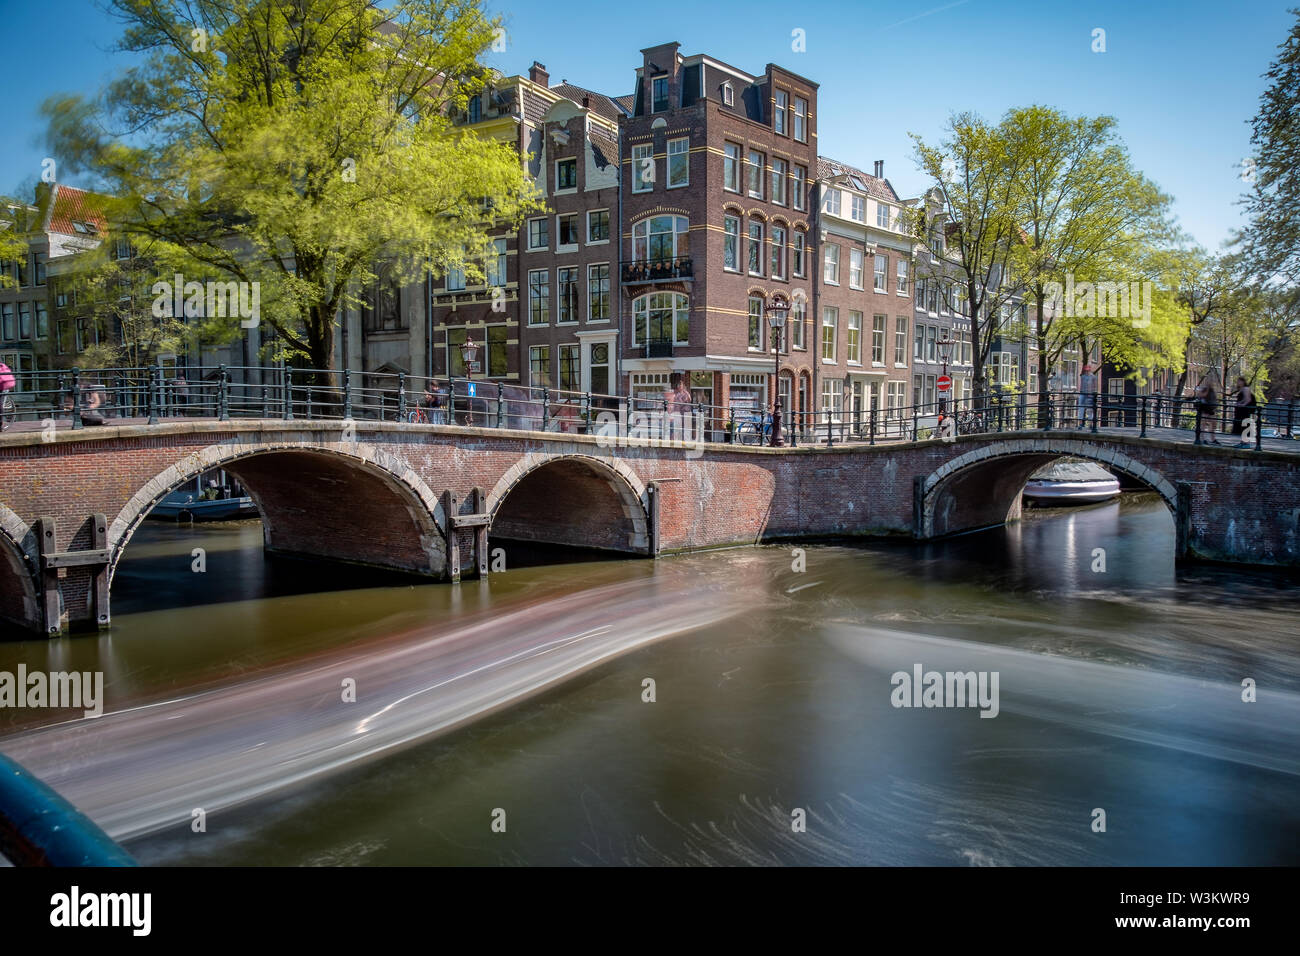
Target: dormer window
{"x":659,"y":86}
{"x":728,"y":95}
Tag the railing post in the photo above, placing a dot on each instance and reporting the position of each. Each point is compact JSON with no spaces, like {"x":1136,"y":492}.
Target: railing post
{"x":288,"y":393}
{"x":501,"y":405}
{"x":401,"y":396}
{"x":76,"y":398}
{"x":913,"y":421}
{"x":1259,"y":426}
{"x":1198,"y":425}
{"x":155,"y":393}
{"x":266,"y":402}
{"x":1290,"y":413}
{"x":546,"y":407}
{"x":347,"y":394}
{"x":451,"y":398}
{"x":223,"y":396}
{"x":1096,"y":404}
{"x":794,"y":427}
{"x":1143,"y":412}
{"x":586,"y":414}
{"x":830,"y":430}
{"x":1159,"y":417}
{"x":871,"y":424}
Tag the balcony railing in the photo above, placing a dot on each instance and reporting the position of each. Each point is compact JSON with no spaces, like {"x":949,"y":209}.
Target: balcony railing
{"x":659,"y":348}
{"x":658,"y":270}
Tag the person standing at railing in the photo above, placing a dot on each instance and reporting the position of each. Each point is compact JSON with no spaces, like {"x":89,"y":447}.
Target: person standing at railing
{"x":1244,"y":405}
{"x":435,"y":403}
{"x":676,"y":406}
{"x":1087,"y":395}
{"x":8,"y":383}
{"x":1207,"y":408}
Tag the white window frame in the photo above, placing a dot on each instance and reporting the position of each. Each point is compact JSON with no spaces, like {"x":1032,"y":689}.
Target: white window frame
{"x":831,"y":264}
{"x":856,"y":265}
{"x":608,"y":226}
{"x":736,"y":162}
{"x":640,"y":153}
{"x":685,"y":152}
{"x":567,"y":190}
{"x":832,"y":313}
{"x":566,"y":246}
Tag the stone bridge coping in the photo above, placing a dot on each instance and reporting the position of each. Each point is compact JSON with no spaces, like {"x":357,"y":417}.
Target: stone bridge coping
{"x":609,"y":448}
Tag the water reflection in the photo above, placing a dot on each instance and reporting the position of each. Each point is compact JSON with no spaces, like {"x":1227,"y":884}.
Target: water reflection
{"x":772,"y":697}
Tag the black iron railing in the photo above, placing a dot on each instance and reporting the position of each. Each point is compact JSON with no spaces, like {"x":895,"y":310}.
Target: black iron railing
{"x":81,"y":398}
{"x":658,"y":270}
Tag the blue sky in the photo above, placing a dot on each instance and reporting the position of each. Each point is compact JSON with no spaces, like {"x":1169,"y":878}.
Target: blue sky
{"x":1182,"y":77}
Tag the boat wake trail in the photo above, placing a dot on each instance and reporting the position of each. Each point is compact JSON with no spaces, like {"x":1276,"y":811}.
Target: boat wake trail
{"x":1203,"y":717}
{"x":139,"y":770}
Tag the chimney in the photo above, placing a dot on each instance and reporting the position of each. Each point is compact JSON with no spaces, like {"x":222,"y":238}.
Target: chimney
{"x":537,"y":73}
{"x":586,"y":102}
{"x":880,"y":169}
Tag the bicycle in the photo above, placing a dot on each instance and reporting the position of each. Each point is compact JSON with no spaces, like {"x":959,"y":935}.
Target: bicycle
{"x":971,"y":423}
{"x":755,"y":430}
{"x":417,"y":416}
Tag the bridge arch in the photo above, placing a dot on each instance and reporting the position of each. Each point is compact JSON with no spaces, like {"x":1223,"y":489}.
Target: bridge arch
{"x":981,"y":488}
{"x":566,"y":498}
{"x":19,"y":596}
{"x":344,"y":501}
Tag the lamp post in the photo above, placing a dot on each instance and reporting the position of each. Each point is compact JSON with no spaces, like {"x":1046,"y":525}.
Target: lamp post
{"x":945,"y":353}
{"x":468,"y":353}
{"x":776,"y":320}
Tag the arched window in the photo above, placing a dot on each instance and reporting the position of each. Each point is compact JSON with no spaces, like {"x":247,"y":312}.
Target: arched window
{"x":661,"y":317}
{"x":660,"y":239}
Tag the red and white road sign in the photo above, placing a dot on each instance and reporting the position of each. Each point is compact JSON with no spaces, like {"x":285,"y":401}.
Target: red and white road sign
{"x":944,"y":383}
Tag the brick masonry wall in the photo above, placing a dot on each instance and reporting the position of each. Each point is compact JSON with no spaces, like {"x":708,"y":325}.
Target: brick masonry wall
{"x":374,"y":499}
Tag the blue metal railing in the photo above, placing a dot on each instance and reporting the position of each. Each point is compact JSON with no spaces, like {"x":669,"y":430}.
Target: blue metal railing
{"x":40,"y":828}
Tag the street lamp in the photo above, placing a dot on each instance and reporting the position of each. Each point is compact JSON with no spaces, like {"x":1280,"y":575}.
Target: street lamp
{"x":468,"y":353}
{"x":945,"y":353}
{"x":776,"y":319}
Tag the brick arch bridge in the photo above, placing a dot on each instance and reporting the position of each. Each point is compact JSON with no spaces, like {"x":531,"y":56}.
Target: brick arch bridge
{"x":981,"y":487}
{"x":425,"y":499}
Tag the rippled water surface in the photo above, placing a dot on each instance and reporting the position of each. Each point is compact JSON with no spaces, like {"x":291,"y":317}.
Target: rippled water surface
{"x":523,"y":700}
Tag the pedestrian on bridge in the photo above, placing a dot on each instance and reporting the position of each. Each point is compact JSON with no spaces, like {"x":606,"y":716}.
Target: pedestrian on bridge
{"x":1207,"y":408}
{"x":1244,"y":406}
{"x":1087,"y":395}
{"x":8,"y":382}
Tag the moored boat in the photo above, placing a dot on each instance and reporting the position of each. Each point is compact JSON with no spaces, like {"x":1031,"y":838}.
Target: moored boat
{"x":211,"y":497}
{"x":1071,"y":483}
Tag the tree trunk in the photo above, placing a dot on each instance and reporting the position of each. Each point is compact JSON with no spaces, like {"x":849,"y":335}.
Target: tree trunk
{"x":1044,"y":398}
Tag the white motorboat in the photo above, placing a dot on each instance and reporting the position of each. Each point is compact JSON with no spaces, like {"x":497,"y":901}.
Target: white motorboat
{"x":1071,"y":483}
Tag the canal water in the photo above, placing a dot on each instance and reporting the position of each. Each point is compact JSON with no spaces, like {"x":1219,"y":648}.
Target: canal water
{"x":730,"y":707}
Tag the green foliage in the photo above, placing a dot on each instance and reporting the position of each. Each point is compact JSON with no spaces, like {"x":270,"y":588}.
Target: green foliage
{"x":298,"y":144}
{"x":1271,"y":243}
{"x":118,"y":294}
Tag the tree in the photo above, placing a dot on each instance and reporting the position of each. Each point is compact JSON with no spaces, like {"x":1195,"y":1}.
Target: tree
{"x":1203,"y":285}
{"x":968,"y":222}
{"x":16,"y":222}
{"x":1088,"y":217}
{"x":115,"y":293}
{"x":297,"y":143}
{"x":1271,"y":241}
